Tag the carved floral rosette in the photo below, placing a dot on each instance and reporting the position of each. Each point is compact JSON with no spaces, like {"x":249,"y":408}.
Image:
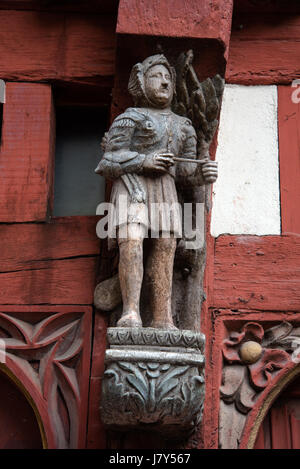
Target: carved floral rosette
{"x":253,"y":357}
{"x":153,"y":380}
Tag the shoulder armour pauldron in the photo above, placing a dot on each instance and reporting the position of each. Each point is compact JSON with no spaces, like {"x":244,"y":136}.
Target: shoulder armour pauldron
{"x":130,"y":118}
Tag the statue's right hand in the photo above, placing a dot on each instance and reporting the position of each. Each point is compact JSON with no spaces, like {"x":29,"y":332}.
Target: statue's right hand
{"x":158,"y":162}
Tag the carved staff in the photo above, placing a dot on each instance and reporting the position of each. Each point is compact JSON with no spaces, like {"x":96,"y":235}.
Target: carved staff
{"x":188,"y":160}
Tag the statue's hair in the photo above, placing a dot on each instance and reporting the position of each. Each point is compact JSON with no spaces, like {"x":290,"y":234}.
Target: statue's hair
{"x":136,"y":84}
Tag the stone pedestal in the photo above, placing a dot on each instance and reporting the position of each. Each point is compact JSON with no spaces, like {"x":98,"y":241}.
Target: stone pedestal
{"x":153,"y":381}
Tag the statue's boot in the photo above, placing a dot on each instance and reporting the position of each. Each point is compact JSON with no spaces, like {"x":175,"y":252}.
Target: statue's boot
{"x":159,"y":274}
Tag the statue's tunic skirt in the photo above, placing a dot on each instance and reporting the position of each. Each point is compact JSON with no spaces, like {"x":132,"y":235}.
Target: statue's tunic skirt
{"x":161,"y":212}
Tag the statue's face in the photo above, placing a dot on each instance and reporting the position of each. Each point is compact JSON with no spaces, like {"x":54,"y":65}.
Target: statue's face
{"x":159,"y":86}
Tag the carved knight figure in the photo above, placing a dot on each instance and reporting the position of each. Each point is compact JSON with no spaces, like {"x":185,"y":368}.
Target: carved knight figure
{"x":143,"y":152}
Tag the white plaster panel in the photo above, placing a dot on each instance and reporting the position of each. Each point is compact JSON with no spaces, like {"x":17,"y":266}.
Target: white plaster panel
{"x":246,"y":193}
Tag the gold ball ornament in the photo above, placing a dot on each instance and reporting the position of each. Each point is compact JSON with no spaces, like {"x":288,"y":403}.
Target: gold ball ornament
{"x":250,"y":352}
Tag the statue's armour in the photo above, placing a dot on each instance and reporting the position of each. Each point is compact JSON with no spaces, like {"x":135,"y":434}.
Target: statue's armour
{"x":141,"y":131}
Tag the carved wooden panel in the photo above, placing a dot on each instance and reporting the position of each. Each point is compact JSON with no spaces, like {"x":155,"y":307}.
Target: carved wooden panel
{"x":47,"y":350}
{"x":254,"y":356}
{"x":241,"y":391}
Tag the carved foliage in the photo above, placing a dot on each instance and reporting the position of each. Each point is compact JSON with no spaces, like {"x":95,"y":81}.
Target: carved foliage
{"x":149,"y":393}
{"x":50,"y":353}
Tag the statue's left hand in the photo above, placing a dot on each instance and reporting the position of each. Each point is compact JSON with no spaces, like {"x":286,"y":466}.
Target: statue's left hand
{"x":210,"y":171}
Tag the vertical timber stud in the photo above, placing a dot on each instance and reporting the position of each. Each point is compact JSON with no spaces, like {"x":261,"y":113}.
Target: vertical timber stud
{"x":289,"y":157}
{"x":26,"y":155}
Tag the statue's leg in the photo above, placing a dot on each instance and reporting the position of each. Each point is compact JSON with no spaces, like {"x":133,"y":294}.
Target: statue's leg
{"x":131,"y":274}
{"x":158,"y":281}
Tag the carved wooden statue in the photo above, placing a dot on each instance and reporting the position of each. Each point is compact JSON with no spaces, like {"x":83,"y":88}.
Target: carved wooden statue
{"x":149,"y":150}
{"x":154,"y":377}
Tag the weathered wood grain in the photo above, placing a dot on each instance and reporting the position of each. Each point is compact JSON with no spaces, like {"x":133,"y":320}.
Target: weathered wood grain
{"x":255,"y":272}
{"x":26,"y":154}
{"x":264,"y":50}
{"x":39,"y":46}
{"x":269,"y":26}
{"x":175,"y":18}
{"x":289,"y":157}
{"x":257,"y":62}
{"x":53,"y":263}
{"x":62,"y":238}
{"x":54,"y":282}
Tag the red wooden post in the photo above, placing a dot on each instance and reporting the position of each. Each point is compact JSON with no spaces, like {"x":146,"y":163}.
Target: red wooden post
{"x":289,"y":157}
{"x":295,"y":430}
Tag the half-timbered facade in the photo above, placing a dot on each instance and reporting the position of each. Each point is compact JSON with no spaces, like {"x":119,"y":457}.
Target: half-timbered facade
{"x":64,"y":71}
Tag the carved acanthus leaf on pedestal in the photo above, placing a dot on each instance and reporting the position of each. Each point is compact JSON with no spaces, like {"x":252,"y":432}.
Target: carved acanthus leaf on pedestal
{"x":154,"y":380}
{"x":252,"y":357}
{"x":151,"y":392}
